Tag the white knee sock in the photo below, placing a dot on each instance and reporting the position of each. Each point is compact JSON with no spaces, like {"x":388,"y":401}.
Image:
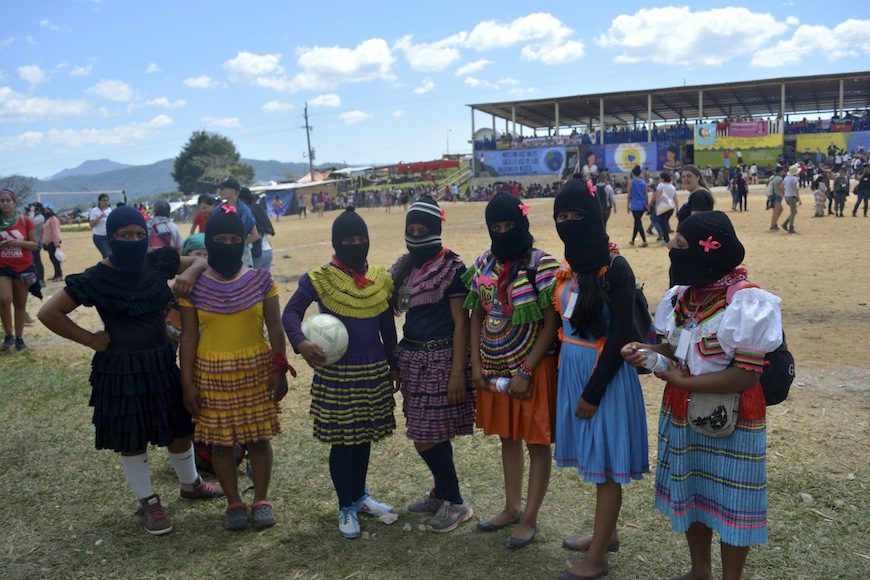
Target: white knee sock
{"x":135,"y":468}
{"x":184,"y":466}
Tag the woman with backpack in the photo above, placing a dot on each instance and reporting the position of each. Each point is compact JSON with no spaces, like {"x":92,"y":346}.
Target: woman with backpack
{"x":717,"y":329}
{"x":162,"y":231}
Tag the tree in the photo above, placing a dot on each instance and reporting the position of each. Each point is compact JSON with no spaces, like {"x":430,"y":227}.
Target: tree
{"x":206,"y":160}
{"x":20,"y":185}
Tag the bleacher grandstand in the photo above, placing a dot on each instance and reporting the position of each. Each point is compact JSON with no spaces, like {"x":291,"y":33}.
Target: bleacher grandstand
{"x":760,"y":121}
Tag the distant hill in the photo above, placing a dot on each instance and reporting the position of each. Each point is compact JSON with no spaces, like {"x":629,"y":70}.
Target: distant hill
{"x":91,"y":167}
{"x":145,"y":180}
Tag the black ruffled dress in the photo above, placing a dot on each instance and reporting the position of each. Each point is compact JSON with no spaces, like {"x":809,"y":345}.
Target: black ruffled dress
{"x":136,"y":396}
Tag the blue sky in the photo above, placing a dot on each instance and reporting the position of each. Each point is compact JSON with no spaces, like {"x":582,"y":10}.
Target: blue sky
{"x":385,"y":81}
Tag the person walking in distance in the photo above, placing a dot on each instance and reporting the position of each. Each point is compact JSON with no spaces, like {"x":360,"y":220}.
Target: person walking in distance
{"x":792,"y":197}
{"x":97,"y":219}
{"x":862,"y":190}
{"x":774,"y":194}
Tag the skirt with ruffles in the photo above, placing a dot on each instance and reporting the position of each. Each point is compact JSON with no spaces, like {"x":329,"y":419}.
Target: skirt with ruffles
{"x":352,"y":401}
{"x":137,"y":399}
{"x":430,"y":417}
{"x":612,"y":444}
{"x":236,"y":404}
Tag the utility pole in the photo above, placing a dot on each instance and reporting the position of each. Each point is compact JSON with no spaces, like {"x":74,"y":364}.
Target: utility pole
{"x":308,"y":129}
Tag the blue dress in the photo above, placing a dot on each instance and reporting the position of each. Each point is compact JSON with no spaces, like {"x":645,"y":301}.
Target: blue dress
{"x":613,"y":443}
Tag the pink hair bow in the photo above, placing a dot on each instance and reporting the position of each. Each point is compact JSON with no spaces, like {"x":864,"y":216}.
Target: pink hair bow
{"x":524,"y":209}
{"x":228,"y":208}
{"x":443,"y":215}
{"x":709,"y":244}
{"x":592,"y":189}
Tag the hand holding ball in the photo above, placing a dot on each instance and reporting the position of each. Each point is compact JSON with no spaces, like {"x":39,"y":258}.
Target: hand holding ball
{"x":328,"y":333}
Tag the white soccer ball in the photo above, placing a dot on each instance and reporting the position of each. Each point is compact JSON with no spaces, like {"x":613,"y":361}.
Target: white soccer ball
{"x":329,"y":333}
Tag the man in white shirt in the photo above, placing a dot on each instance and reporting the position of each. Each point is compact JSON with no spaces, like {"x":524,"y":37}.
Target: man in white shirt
{"x":97,"y":219}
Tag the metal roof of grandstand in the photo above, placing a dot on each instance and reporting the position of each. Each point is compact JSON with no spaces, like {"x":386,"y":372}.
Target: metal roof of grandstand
{"x":808,"y":94}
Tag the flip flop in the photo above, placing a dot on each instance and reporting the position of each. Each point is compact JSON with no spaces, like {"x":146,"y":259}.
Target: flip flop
{"x":487,"y":526}
{"x":570,"y":543}
{"x":568,"y":575}
{"x":513,"y":544}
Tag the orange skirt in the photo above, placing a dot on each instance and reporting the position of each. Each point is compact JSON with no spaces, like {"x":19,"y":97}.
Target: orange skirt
{"x":531,"y":420}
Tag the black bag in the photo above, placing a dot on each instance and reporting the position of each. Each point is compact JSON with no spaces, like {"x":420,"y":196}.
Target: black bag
{"x":778,"y":373}
{"x":643,"y":329}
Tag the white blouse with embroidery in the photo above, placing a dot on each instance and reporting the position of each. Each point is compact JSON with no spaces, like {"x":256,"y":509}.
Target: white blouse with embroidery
{"x":747,"y":329}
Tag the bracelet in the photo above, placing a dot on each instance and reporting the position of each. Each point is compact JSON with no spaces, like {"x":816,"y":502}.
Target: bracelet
{"x":525,"y":372}
{"x":280,"y":365}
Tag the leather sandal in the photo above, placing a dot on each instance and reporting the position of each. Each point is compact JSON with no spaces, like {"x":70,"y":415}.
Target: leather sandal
{"x":487,"y":525}
{"x":570,"y":543}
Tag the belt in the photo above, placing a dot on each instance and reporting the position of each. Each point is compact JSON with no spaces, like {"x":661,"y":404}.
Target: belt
{"x":429,"y":345}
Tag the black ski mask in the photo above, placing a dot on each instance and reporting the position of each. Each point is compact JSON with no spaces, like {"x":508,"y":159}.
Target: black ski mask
{"x":586,"y":242}
{"x":225,"y":259}
{"x":347,"y":225}
{"x":426,"y":212}
{"x":713,"y":251}
{"x":126,"y":256}
{"x":506,"y":207}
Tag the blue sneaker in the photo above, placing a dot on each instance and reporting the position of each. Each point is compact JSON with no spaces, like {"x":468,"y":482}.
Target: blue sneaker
{"x":348,"y":524}
{"x":387,"y":514}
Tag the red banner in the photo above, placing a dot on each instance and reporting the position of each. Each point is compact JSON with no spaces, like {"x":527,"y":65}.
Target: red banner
{"x":748,"y":129}
{"x":841,"y":126}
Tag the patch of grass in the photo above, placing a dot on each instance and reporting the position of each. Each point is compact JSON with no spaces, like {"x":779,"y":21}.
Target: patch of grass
{"x":73,"y":514}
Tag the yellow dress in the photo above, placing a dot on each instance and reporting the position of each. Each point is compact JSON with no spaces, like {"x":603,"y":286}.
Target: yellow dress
{"x":233,"y":360}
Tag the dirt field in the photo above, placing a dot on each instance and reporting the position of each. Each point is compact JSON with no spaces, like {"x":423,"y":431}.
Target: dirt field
{"x":72,"y":510}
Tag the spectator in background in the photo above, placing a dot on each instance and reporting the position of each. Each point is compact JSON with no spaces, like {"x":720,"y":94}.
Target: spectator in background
{"x":753,"y":174}
{"x":792,"y":197}
{"x":637,"y":205}
{"x":51,"y":240}
{"x":206,"y":206}
{"x":261,"y":250}
{"x":607,"y":197}
{"x":162,"y":231}
{"x":97,"y":220}
{"x":590,"y":169}
{"x":38,"y":220}
{"x":700,"y":199}
{"x":17,"y":241}
{"x":862,"y":190}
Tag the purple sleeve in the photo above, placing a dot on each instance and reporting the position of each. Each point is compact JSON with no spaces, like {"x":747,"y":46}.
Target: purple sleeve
{"x":388,"y":335}
{"x":295,"y":311}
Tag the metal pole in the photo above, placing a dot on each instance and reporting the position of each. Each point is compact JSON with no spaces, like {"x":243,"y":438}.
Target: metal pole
{"x":840,"y":113}
{"x":601,"y":120}
{"x":514,"y":117}
{"x":781,"y":120}
{"x":649,"y":117}
{"x":308,"y":139}
{"x":557,"y":118}
{"x":700,"y":104}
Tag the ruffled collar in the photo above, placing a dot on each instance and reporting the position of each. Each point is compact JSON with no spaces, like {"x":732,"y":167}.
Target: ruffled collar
{"x":337,"y":291}
{"x":429,"y":283}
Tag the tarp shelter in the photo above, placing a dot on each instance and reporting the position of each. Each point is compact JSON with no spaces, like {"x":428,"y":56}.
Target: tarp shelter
{"x":421,"y":166}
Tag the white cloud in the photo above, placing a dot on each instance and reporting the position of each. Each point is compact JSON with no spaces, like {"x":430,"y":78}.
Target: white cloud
{"x":222,"y":122}
{"x":152,"y":68}
{"x":25,"y":140}
{"x":201,"y":82}
{"x":276,"y":106}
{"x":81,"y":71}
{"x":476,"y":82}
{"x":521,"y":92}
{"x":508,"y":81}
{"x":161,"y":102}
{"x":326,"y":100}
{"x":329,"y":66}
{"x":792,"y":21}
{"x":354,"y":117}
{"x":46,"y":24}
{"x":120,"y":135}
{"x":428,"y":85}
{"x":399,"y":114}
{"x":32,"y":74}
{"x":435,"y":56}
{"x":544,"y":37}
{"x":15,"y":107}
{"x":112,"y":90}
{"x":472,"y":67}
{"x":676,"y":35}
{"x":850,"y":38}
{"x":246,"y":67}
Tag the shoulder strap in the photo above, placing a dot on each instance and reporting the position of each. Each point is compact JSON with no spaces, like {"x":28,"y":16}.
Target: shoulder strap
{"x":734,"y":288}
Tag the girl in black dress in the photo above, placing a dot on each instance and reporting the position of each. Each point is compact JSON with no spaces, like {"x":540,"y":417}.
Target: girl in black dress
{"x":136,"y":394}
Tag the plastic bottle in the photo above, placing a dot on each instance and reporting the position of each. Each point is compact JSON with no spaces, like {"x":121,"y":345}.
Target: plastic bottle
{"x":655,"y":362}
{"x":500,"y":384}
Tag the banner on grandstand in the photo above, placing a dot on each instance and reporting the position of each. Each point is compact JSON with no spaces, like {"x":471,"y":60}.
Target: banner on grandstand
{"x":841,"y":126}
{"x":705,"y":134}
{"x":282,"y":205}
{"x":748,"y":128}
{"x":517,"y":162}
{"x":668,"y":156}
{"x":624,"y":156}
{"x":593,"y":155}
{"x":763,"y":151}
{"x":844,"y":141}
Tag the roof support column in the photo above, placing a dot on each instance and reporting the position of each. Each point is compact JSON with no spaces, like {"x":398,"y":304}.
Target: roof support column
{"x":700,"y":104}
{"x":556,"y":132}
{"x":493,"y":126}
{"x":514,"y":118}
{"x":601,"y":120}
{"x":472,"y":131}
{"x":781,"y":121}
{"x":840,"y":113}
{"x":649,"y":118}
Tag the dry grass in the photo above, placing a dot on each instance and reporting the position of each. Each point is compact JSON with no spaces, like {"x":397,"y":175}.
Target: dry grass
{"x":69,"y":513}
